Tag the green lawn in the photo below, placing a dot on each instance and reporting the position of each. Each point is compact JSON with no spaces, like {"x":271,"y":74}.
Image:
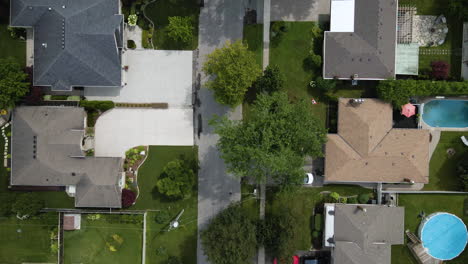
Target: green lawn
{"x":253,"y":37}
{"x":301,"y":203}
{"x":429,"y":203}
{"x":453,"y":40}
{"x":160,"y":10}
{"x":160,"y":244}
{"x":52,"y":199}
{"x":10,"y":47}
{"x":91,"y":243}
{"x":289,"y":55}
{"x":443,"y":169}
{"x":27,"y":240}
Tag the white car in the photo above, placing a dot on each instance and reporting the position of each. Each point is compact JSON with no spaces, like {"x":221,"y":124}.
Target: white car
{"x":309,"y":178}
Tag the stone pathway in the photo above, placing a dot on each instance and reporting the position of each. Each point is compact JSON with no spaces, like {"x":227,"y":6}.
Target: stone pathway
{"x":428,"y":31}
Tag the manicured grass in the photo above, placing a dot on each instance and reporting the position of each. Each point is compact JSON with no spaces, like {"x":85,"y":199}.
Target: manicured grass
{"x":289,"y":55}
{"x":302,"y":203}
{"x":52,"y":199}
{"x":89,"y":244}
{"x":250,"y":202}
{"x":443,"y":173}
{"x":253,"y":37}
{"x":159,"y":12}
{"x":181,"y":242}
{"x":453,"y":41}
{"x":10,"y":47}
{"x":27,"y":240}
{"x":429,"y":203}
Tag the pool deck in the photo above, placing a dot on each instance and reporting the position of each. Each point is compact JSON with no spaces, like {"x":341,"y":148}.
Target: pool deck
{"x":418,"y":251}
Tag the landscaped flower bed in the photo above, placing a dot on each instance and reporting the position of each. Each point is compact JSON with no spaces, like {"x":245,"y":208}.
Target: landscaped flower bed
{"x":134,"y":157}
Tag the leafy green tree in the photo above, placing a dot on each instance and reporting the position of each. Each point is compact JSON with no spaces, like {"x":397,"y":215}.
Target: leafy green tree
{"x":27,"y":205}
{"x":13,"y":83}
{"x":180,"y":29}
{"x":459,"y":9}
{"x":271,"y":81}
{"x":234,"y":69}
{"x":280,"y":234}
{"x":177,"y":180}
{"x":230,"y":237}
{"x":273,"y":142}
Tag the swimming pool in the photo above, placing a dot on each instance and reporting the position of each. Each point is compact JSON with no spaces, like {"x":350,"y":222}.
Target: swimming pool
{"x":444,"y":235}
{"x":446,"y":113}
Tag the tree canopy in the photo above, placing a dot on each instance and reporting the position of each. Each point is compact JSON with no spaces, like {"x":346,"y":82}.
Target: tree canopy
{"x":234,"y":69}
{"x":13,"y":83}
{"x":279,"y":233}
{"x":27,"y":205}
{"x":180,"y":29}
{"x":230,"y":237}
{"x":273,"y":142}
{"x":459,"y":9}
{"x":177,"y":180}
{"x":271,"y":81}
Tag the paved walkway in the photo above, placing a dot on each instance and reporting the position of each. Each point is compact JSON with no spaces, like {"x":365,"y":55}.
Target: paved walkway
{"x":266,"y":33}
{"x":220,"y":20}
{"x":135,"y":34}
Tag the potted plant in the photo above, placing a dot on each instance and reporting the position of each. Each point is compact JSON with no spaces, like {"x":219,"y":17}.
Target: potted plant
{"x":132,"y":20}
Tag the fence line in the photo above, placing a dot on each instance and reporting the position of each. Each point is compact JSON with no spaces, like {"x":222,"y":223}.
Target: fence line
{"x":143,"y":254}
{"x":94,"y":211}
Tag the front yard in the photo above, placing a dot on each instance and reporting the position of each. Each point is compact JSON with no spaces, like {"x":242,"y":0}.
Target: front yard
{"x":429,"y":203}
{"x":10,"y":47}
{"x":443,"y":173}
{"x":105,"y":239}
{"x":27,"y":241}
{"x":181,"y":242}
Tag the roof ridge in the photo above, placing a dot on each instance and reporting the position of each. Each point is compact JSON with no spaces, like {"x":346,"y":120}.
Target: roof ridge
{"x":88,"y":66}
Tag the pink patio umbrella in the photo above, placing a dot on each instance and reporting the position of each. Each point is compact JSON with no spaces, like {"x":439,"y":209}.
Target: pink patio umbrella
{"x":408,"y":110}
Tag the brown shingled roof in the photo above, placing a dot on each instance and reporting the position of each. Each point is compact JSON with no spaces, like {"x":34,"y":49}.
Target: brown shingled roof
{"x":368,"y":149}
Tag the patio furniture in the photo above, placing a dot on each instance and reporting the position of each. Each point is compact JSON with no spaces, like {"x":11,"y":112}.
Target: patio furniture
{"x":465,"y":141}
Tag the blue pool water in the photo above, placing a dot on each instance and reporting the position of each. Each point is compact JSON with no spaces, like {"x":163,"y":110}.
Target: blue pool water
{"x":446,"y":113}
{"x":444,"y":235}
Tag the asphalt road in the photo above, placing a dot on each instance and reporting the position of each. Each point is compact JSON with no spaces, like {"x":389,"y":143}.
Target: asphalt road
{"x":220,"y":21}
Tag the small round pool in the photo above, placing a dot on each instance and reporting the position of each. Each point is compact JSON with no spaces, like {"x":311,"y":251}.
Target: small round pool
{"x":444,"y":235}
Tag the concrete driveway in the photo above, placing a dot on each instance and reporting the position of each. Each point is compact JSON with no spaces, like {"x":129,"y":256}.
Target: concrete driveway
{"x":120,"y":129}
{"x":153,"y":76}
{"x":300,"y":10}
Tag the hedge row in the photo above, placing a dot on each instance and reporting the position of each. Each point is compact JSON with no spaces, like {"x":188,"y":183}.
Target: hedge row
{"x":97,"y":105}
{"x":398,"y":92}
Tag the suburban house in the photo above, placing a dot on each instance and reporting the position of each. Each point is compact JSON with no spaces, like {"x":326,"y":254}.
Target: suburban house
{"x":362,"y":234}
{"x":366,"y":148}
{"x":47,"y":151}
{"x":361,"y":43}
{"x":76,"y":43}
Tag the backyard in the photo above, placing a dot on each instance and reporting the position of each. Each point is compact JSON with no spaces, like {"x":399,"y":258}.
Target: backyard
{"x":27,"y":240}
{"x":443,"y":173}
{"x":302,"y":203}
{"x":160,"y":11}
{"x":453,"y":41}
{"x":105,"y":238}
{"x":429,"y":203}
{"x":161,"y":244}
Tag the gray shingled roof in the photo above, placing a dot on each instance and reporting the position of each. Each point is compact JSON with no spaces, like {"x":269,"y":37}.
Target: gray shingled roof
{"x":46,"y":151}
{"x":366,"y":237}
{"x":76,"y":43}
{"x":369,"y":51}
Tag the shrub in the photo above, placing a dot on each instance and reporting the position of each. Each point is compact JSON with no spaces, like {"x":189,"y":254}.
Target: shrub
{"x":54,"y":247}
{"x":271,"y":81}
{"x":34,"y":97}
{"x":440,"y":70}
{"x":97,"y":105}
{"x":180,"y":29}
{"x":131,"y":44}
{"x":58,"y":97}
{"x":325,"y":85}
{"x":315,"y":234}
{"x":352,"y":200}
{"x":335,"y":196}
{"x":132,"y":20}
{"x":312,"y":61}
{"x":318,"y":219}
{"x":343,"y":199}
{"x":363,"y":198}
{"x":27,"y":205}
{"x":128,"y":198}
{"x":177,"y":180}
{"x":93,"y":217}
{"x":162,"y":217}
{"x":398,"y":92}
{"x":17,"y":32}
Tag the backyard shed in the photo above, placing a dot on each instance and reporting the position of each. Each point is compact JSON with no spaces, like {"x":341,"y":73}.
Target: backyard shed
{"x":71,"y":222}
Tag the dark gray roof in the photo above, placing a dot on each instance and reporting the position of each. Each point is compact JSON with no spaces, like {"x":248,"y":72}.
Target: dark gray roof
{"x":46,"y":151}
{"x":369,"y":51}
{"x":365,"y":237}
{"x":76,"y":43}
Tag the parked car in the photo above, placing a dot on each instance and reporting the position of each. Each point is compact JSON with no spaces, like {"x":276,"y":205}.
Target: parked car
{"x":309,"y":178}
